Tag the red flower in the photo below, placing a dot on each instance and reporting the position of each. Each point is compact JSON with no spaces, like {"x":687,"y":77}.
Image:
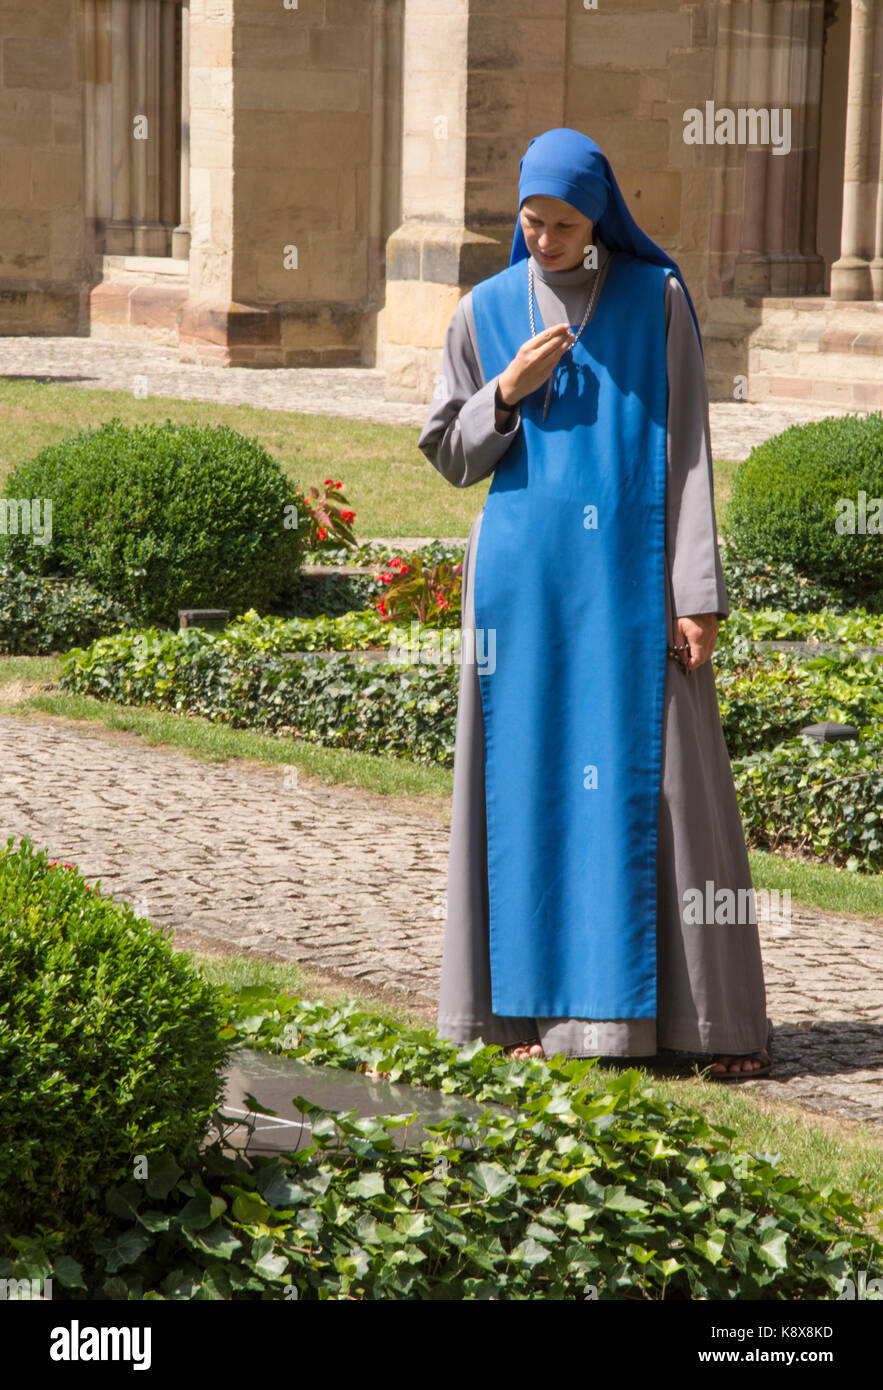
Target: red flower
{"x":338,"y":484}
{"x":386,"y":578}
{"x":381,"y":606}
{"x":322,"y":533}
{"x":442,"y":602}
{"x":329,"y":482}
{"x":347,"y":516}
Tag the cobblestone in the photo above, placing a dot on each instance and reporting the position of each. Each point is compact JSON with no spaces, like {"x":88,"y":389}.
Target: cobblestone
{"x":354,"y":392}
{"x":231,"y":859}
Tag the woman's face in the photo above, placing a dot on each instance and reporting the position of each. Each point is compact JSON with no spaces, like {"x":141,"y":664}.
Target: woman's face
{"x":555,"y":232}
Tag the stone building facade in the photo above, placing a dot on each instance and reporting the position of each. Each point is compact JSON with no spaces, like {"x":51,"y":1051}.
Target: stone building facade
{"x":317,"y":182}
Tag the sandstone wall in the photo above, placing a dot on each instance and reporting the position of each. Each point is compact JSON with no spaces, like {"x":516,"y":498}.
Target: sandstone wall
{"x":41,"y":170}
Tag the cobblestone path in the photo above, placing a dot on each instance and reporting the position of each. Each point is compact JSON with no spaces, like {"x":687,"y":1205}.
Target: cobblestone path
{"x":231,"y":857}
{"x":356,"y":392}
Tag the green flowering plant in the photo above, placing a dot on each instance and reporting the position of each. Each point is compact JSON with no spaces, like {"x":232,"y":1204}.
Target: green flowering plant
{"x":429,"y":593}
{"x":329,"y":523}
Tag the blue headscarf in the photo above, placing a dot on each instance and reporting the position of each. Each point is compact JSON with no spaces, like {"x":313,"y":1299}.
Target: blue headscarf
{"x":566,"y":164}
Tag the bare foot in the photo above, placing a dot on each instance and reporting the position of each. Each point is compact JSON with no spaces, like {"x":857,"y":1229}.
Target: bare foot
{"x":734,"y":1064}
{"x":526,"y":1050}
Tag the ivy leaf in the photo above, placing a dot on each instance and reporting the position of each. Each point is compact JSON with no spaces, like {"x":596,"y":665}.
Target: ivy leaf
{"x":492,"y":1179}
{"x":711,"y":1246}
{"x":617,"y":1199}
{"x":773,"y":1249}
{"x":250,"y":1209}
{"x":217,"y":1240}
{"x":278,"y":1190}
{"x":530,"y":1252}
{"x":163,"y":1173}
{"x":273,"y":1266}
{"x":68,"y":1272}
{"x":368,"y":1185}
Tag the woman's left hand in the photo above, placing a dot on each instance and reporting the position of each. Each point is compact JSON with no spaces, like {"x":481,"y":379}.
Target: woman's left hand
{"x":701,"y":632}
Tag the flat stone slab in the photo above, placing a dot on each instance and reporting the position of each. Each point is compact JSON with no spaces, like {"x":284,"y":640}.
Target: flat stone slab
{"x":348,"y":570}
{"x":373,"y":654}
{"x":810,"y":648}
{"x":274,"y":1080}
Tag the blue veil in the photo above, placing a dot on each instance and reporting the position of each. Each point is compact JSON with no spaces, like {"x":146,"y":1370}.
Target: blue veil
{"x":566,"y":164}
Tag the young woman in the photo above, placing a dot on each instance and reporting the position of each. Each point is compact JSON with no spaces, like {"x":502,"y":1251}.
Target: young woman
{"x":594,"y":804}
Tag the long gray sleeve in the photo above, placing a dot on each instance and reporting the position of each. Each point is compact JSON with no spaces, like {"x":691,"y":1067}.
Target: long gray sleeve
{"x":690,"y":530}
{"x":460,"y":437}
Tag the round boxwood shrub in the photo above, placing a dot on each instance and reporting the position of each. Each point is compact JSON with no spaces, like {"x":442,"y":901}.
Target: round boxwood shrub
{"x":161,"y":517}
{"x":792,"y":491}
{"x":110,"y":1048}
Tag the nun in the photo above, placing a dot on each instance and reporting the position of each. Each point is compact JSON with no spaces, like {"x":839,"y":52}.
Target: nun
{"x":595,"y":825}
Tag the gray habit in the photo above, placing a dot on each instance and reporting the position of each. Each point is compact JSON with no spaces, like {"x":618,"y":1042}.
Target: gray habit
{"x":710,"y":988}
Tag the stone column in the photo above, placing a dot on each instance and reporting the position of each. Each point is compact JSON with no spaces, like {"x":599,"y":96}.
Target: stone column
{"x":205,"y":320}
{"x":858,"y":274}
{"x":144,"y":128}
{"x":479,"y":84}
{"x":98,"y":121}
{"x":774,"y":64}
{"x":289,"y":196}
{"x":44,"y":86}
{"x":181,"y":234}
{"x":119,"y":237}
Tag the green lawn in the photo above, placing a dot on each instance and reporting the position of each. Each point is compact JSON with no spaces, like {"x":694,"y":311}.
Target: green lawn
{"x":391,"y":486}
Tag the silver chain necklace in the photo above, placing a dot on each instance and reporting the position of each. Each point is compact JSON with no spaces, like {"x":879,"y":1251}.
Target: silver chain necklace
{"x":533,"y":327}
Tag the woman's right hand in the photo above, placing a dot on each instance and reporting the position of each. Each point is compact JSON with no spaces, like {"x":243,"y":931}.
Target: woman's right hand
{"x":534,"y":362}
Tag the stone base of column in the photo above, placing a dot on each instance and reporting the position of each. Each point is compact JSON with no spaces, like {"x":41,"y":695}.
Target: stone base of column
{"x":278,"y":335}
{"x":181,"y":244}
{"x":137,"y":239}
{"x":133,"y":312}
{"x":429,"y":267}
{"x":812,"y":350}
{"x":851,"y":279}
{"x":772,"y":273}
{"x":39,"y":309}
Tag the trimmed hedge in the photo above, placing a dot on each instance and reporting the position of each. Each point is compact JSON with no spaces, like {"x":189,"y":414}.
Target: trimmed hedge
{"x":240,"y":678}
{"x":38,"y":617}
{"x":110,"y":1047}
{"x":757,"y":582}
{"x":822,"y":799}
{"x":785,"y":495}
{"x":328,"y":595}
{"x":162,"y":517}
